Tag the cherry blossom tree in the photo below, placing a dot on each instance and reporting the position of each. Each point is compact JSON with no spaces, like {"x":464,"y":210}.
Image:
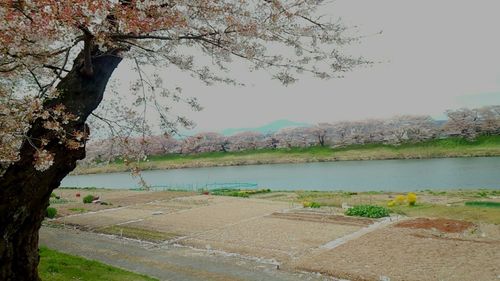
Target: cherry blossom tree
{"x":463,"y":123}
{"x":490,"y":120}
{"x":410,"y":128}
{"x":246,"y":140}
{"x":164,"y":144}
{"x":57,"y":57}
{"x":320,"y":132}
{"x":204,"y":142}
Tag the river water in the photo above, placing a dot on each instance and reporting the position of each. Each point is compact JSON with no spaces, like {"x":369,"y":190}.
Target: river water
{"x":374,"y":175}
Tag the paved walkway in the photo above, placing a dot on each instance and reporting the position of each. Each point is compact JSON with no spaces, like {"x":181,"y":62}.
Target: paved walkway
{"x":165,"y":262}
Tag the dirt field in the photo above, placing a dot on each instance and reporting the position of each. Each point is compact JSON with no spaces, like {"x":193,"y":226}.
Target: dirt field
{"x":274,"y":227}
{"x":270,"y":238}
{"x":70,"y":204}
{"x":408,"y":252}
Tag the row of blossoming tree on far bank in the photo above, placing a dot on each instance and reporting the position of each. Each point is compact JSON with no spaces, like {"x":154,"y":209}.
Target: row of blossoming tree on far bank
{"x":464,"y":123}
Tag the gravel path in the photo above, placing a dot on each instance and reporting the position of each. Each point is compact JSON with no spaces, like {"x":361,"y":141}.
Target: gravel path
{"x":165,"y":262}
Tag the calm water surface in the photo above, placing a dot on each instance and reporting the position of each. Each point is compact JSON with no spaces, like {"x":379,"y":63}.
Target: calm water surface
{"x":387,"y":175}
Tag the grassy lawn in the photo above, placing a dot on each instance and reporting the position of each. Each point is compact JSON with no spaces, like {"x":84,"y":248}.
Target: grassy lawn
{"x":451,"y":147}
{"x":57,"y":266}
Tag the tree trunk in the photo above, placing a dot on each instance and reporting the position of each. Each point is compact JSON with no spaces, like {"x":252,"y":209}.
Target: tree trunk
{"x":25,"y":191}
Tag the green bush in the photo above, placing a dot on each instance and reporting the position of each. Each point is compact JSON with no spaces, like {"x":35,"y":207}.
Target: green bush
{"x":314,"y":205}
{"x":368,"y":211}
{"x":88,"y":199}
{"x":51,"y":212}
{"x":482,"y":194}
{"x":308,"y":204}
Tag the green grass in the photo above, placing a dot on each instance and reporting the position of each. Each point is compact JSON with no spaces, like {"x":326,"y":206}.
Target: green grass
{"x":456,"y":211}
{"x":137,"y":233}
{"x":334,"y":198}
{"x":238,"y":192}
{"x":78,"y":210}
{"x":58,"y":201}
{"x":488,"y":204}
{"x":57,"y":266}
{"x":451,"y":147}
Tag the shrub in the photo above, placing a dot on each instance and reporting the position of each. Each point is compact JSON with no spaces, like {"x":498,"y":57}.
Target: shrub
{"x":315,"y":205}
{"x":51,"y":212}
{"x":411,"y":198}
{"x":88,"y":199}
{"x":400,"y":199}
{"x":482,"y":194}
{"x":307,"y":204}
{"x":368,"y":211}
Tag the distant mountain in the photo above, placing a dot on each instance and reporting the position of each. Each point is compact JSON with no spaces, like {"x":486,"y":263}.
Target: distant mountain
{"x":266,"y":129}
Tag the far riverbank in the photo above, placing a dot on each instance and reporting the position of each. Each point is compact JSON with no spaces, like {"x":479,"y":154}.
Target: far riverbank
{"x":445,"y":148}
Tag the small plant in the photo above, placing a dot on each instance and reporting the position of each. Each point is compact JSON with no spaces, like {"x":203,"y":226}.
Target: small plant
{"x":53,"y":195}
{"x":411,"y":198}
{"x":368,"y":211}
{"x":307,"y":204}
{"x":315,"y":205}
{"x":400,"y":199}
{"x":51,"y":212}
{"x":482,"y":194}
{"x":88,"y":199}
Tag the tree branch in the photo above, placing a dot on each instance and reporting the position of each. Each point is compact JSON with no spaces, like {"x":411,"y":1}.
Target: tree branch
{"x":88,"y":40}
{"x":55,"y":68}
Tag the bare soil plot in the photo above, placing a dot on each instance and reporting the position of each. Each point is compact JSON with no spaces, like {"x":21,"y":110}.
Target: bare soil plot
{"x":443,"y":225}
{"x":166,"y":262}
{"x":71,"y":204}
{"x":253,"y":227}
{"x":411,"y":254}
{"x":271,"y":237}
{"x":225,"y":211}
{"x":107,"y":217}
{"x":162,"y":205}
{"x":323,"y":218}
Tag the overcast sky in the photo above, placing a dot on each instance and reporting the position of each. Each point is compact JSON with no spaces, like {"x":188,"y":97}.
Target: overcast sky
{"x":433,"y":55}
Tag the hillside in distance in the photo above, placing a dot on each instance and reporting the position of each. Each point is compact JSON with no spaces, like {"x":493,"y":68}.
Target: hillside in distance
{"x":269,"y":128}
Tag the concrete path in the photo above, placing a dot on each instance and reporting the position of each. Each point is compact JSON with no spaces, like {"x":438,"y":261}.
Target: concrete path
{"x":165,"y":262}
{"x":363,"y":231}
